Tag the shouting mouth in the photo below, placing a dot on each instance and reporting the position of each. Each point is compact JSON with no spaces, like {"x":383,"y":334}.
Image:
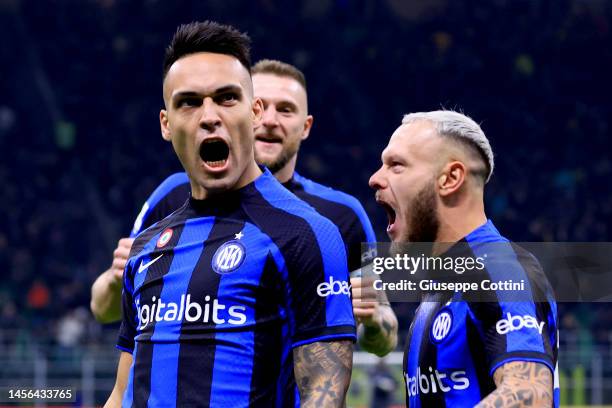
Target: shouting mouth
{"x":214,"y":153}
{"x":391,"y":215}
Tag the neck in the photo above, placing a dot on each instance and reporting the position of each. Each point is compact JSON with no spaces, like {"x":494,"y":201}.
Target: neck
{"x":248,"y":176}
{"x":457,"y":222}
{"x":286,"y":172}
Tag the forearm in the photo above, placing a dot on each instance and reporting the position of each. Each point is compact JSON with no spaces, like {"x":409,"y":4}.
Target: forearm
{"x":106,"y":298}
{"x":323,"y":373}
{"x":524,"y":385}
{"x":380,"y":336}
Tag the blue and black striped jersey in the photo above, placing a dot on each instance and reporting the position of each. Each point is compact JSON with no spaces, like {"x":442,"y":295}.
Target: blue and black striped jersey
{"x":456,"y":342}
{"x":342,"y":209}
{"x":217,"y":294}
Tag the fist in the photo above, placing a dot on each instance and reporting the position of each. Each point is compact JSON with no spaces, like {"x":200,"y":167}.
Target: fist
{"x":365,"y":301}
{"x":120,"y":257}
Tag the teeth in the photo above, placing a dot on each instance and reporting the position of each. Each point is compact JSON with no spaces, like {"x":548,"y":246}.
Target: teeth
{"x":218,"y":163}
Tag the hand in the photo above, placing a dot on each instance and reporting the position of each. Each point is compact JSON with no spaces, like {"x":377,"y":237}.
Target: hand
{"x":365,"y":301}
{"x":120,"y":257}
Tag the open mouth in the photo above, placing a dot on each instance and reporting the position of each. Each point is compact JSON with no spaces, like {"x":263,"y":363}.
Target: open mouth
{"x":214,"y":152}
{"x":390,"y":214}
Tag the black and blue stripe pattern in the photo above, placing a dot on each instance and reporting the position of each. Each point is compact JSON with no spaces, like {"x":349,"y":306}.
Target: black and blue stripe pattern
{"x":455,"y":344}
{"x":203,"y":338}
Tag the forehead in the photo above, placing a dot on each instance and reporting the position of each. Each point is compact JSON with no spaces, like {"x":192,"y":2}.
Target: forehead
{"x":204,"y":72}
{"x":274,"y":87}
{"x":416,"y":140}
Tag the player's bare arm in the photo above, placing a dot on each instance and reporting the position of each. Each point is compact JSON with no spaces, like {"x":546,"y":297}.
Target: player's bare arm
{"x":521,"y":384}
{"x":106,"y":290}
{"x":123,"y":370}
{"x":377,"y":331}
{"x":323,"y":372}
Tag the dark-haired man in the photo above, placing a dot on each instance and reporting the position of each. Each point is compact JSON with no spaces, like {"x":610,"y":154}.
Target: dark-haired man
{"x":484,"y":349}
{"x":285,"y":124}
{"x":222,"y":303}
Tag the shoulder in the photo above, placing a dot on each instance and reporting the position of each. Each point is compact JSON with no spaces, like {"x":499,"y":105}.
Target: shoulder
{"x":327,"y":193}
{"x":145,"y":238}
{"x":169,"y":195}
{"x":168,"y":186}
{"x":288,"y":219}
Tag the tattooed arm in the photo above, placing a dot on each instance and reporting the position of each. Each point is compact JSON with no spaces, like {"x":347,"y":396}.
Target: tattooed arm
{"x":377,"y":331}
{"x":323,"y":372}
{"x":521,"y":384}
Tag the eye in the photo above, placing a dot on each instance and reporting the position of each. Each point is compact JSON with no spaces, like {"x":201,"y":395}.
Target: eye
{"x":396,"y":166}
{"x":228,"y":98}
{"x":189,"y":102}
{"x":286,"y":109}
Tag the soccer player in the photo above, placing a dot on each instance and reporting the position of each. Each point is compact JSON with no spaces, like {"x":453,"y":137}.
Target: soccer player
{"x":286,"y":123}
{"x":226,"y":302}
{"x":459,"y":352}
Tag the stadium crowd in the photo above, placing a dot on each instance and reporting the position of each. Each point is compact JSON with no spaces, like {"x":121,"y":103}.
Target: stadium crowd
{"x":80,"y":136}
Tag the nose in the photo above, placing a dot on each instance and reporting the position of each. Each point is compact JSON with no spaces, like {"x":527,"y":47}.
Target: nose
{"x":377,"y":180}
{"x":269,"y":119}
{"x":210,"y":119}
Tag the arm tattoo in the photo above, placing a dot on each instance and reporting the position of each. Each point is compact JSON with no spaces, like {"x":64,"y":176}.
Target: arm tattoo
{"x":323,"y":372}
{"x":521,"y":384}
{"x":379,"y":340}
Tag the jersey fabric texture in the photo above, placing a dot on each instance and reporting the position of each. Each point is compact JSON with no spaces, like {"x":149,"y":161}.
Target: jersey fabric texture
{"x":218,"y":294}
{"x":342,"y":209}
{"x":456,"y":343}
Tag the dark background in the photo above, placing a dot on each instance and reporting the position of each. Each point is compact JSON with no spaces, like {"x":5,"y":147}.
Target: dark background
{"x":80,"y":93}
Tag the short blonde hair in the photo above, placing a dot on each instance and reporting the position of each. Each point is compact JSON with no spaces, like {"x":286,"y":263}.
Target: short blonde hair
{"x":461,"y":128}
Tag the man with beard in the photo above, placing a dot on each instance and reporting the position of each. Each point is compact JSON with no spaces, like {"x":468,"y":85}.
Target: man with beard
{"x":221,"y":305}
{"x":465,"y":351}
{"x":285,"y":124}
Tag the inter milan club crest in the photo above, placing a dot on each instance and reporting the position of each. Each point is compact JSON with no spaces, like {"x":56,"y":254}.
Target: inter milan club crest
{"x":164,"y":238}
{"x":228,"y":257}
{"x":441,"y":326}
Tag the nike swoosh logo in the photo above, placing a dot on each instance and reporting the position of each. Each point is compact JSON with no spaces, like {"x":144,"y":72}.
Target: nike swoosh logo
{"x":142,"y":266}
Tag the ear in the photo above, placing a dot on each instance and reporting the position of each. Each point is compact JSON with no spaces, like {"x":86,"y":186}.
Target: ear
{"x":257,"y":110}
{"x":451,"y":178}
{"x":307,"y":127}
{"x":165,"y":125}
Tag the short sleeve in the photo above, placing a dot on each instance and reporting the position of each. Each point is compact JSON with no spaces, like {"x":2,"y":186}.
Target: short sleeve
{"x":516,"y":331}
{"x":164,"y":200}
{"x":318,"y":287}
{"x":127,"y":330}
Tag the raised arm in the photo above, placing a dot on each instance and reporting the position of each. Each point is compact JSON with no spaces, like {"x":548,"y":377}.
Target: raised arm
{"x":106,"y":290}
{"x":377,"y":330}
{"x":323,"y":372}
{"x":521,"y":384}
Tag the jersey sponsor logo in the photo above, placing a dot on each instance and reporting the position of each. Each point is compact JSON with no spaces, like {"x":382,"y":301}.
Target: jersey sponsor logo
{"x":228,"y":257}
{"x":209,"y":312}
{"x":436,"y":381}
{"x":441,"y":326}
{"x":514,"y":323}
{"x":144,"y":266}
{"x":164,"y":238}
{"x":334,"y":287}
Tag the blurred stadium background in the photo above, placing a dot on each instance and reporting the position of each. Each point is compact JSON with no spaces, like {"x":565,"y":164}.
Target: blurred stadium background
{"x":80,"y":95}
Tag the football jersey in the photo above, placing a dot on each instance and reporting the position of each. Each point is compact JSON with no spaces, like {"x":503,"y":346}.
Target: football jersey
{"x":342,"y":209}
{"x":218,"y":294}
{"x":456,"y":343}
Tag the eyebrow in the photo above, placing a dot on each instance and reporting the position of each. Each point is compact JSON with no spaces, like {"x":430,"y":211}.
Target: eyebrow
{"x":223,"y":89}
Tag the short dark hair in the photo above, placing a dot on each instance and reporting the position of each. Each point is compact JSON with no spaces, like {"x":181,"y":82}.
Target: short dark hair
{"x":208,"y":36}
{"x":279,"y":68}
